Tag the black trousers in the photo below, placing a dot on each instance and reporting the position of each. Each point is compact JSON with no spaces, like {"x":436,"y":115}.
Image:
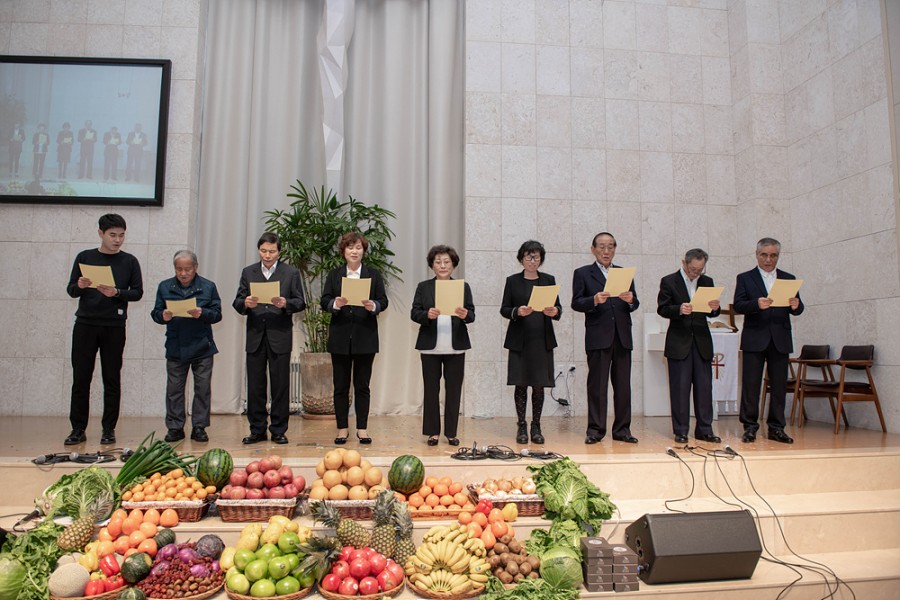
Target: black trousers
{"x":279,"y":370}
{"x":753,"y":365}
{"x":691,"y":371}
{"x":613,"y":362}
{"x":357,"y":367}
{"x":87,"y":340}
{"x":452,"y":367}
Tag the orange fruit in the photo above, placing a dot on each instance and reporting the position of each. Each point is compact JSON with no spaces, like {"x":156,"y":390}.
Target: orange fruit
{"x":425,"y":490}
{"x":130,"y":551}
{"x":480,"y":518}
{"x":430,"y":481}
{"x":148,"y":529}
{"x":168,"y":518}
{"x":460,"y":498}
{"x":115,"y":527}
{"x":130,"y":525}
{"x":465,"y":517}
{"x":495,"y":515}
{"x":432,"y":500}
{"x":148,"y":546}
{"x":455,"y":487}
{"x":416,"y":500}
{"x":446,"y":500}
{"x":446,"y":481}
{"x":136,"y":514}
{"x":121,"y":544}
{"x":136,"y":538}
{"x":120,"y":514}
{"x":104,"y":536}
{"x":441,"y":490}
{"x":151,"y":515}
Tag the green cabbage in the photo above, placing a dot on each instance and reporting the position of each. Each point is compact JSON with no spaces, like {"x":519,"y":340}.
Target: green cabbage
{"x":12,"y":577}
{"x":561,"y":568}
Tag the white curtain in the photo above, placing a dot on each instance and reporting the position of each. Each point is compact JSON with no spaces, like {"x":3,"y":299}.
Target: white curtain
{"x":262,"y":129}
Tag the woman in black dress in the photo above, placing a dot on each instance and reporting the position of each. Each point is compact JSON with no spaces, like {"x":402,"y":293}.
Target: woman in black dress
{"x":529,"y":339}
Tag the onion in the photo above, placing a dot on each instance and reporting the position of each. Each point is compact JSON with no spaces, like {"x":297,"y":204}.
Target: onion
{"x":528,"y":487}
{"x":215,"y":567}
{"x":167,"y":552}
{"x":188,"y":555}
{"x":200,"y":570}
{"x":159,"y":568}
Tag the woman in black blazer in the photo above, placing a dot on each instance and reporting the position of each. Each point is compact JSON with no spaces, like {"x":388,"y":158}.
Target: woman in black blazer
{"x":353,"y":335}
{"x":442,"y":343}
{"x":530,"y":339}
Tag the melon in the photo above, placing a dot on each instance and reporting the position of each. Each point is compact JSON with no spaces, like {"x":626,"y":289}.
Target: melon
{"x":214,"y":467}
{"x":406,"y":474}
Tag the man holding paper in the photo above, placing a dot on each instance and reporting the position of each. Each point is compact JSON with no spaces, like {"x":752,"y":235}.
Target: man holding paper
{"x":188,"y":305}
{"x":766,"y":339}
{"x":687,"y":297}
{"x":270,"y":322}
{"x":607,"y":339}
{"x":100,"y":325}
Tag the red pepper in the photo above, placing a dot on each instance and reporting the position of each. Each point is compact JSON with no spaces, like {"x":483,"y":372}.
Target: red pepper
{"x":109,"y":565}
{"x":484,"y":506}
{"x":94,"y":587}
{"x":113,"y":583}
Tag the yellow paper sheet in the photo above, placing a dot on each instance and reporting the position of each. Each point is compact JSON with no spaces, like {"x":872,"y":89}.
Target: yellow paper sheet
{"x":355,"y":290}
{"x":449,"y":294}
{"x":703,"y":296}
{"x":180,"y":308}
{"x":98,"y":275}
{"x":265,"y":290}
{"x":783,"y":290}
{"x":618,"y":280}
{"x":543,"y":296}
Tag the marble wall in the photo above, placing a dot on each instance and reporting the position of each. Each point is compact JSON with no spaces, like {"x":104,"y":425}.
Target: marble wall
{"x":38,"y":243}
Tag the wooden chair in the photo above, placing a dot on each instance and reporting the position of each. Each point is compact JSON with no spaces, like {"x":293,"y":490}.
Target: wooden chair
{"x":796,"y":372}
{"x":857,"y":358}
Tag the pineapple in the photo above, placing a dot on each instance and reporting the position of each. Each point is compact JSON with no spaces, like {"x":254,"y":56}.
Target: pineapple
{"x":405,"y":546}
{"x":79,"y":533}
{"x":348,"y":531}
{"x":319,"y":554}
{"x":383,"y":536}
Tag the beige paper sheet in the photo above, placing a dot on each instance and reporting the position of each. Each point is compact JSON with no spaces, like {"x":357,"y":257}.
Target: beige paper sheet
{"x":98,"y":275}
{"x":449,"y":294}
{"x":543,"y":296}
{"x":783,"y":290}
{"x":618,"y":280}
{"x":703,"y":296}
{"x":355,"y":290}
{"x":265,"y":290}
{"x":180,"y":308}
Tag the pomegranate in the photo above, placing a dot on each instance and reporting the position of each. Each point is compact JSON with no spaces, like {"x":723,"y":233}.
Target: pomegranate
{"x":341,"y":568}
{"x":368,"y":585}
{"x":349,"y":586}
{"x":359,"y":568}
{"x":331,"y":582}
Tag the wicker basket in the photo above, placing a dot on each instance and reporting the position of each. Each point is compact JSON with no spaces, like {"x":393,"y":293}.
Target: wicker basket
{"x":445,"y":596}
{"x":189,"y":511}
{"x":529,"y":505}
{"x":355,"y":510}
{"x":295,"y":596}
{"x":441,"y":513}
{"x":110,"y":595}
{"x":256,"y":510}
{"x":385,"y":594}
{"x":211,"y":592}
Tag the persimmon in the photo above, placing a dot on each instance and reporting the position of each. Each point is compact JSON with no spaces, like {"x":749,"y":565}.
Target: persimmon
{"x":136,"y":514}
{"x":136,"y":538}
{"x":120,"y":513}
{"x":446,"y":500}
{"x":148,"y":529}
{"x":465,"y":517}
{"x":130,"y":525}
{"x":121,"y":544}
{"x":104,"y":536}
{"x":168,"y":518}
{"x":151,"y":515}
{"x":460,"y":498}
{"x":432,"y":500}
{"x":480,"y":518}
{"x":430,"y":481}
{"x":475,"y":530}
{"x":495,"y":515}
{"x":425,"y":491}
{"x":441,"y":490}
{"x":148,"y":546}
{"x":104,"y":548}
{"x":416,"y":500}
{"x":488,"y":538}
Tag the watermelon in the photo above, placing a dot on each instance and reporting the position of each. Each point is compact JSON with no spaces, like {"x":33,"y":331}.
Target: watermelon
{"x":214,"y":467}
{"x":406,"y":474}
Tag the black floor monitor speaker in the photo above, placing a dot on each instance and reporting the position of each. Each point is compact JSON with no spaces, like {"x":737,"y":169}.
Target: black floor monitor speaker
{"x":702,"y":546}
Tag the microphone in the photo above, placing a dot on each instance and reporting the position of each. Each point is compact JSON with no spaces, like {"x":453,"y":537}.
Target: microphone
{"x":30,"y":516}
{"x":525,"y":452}
{"x":730,"y":450}
{"x":671,"y":452}
{"x":43,"y":459}
{"x":126,"y":454}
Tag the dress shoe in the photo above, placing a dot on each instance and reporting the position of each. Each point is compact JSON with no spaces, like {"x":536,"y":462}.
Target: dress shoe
{"x":779,"y":435}
{"x":536,"y":436}
{"x":254,"y":438}
{"x":340,"y":440}
{"x":681,"y":438}
{"x":279,"y":438}
{"x":749,"y":437}
{"x":76,"y":437}
{"x":108,"y":436}
{"x":522,"y":433}
{"x":454,"y":441}
{"x":363,"y":440}
{"x":709,"y":437}
{"x":173,"y":435}
{"x":198,"y":434}
{"x":592,"y":439}
{"x":629,"y":439}
{"x":432,"y":441}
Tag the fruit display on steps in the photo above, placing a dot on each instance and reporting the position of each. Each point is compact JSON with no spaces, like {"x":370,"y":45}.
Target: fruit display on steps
{"x":449,"y":561}
{"x":214,"y":468}
{"x":345,"y":475}
{"x":348,"y":531}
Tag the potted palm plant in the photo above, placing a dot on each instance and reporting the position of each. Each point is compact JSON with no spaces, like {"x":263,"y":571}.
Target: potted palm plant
{"x":309,"y":230}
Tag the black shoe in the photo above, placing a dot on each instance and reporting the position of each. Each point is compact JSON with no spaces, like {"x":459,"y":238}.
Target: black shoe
{"x":108,"y":437}
{"x":628,"y":439}
{"x":173,"y":435}
{"x":522,"y":433}
{"x":433,"y":441}
{"x":709,"y":437}
{"x":592,"y":439}
{"x":681,"y":438}
{"x":454,"y":441}
{"x":779,"y":435}
{"x":363,"y":440}
{"x":76,"y":437}
{"x":279,"y":438}
{"x":340,"y":440}
{"x":254,"y":438}
{"x":536,"y":436}
{"x":749,"y":437}
{"x":198,"y":434}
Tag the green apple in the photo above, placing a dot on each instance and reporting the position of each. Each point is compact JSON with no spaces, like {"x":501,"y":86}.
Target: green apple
{"x":288,"y":542}
{"x":268,"y":552}
{"x":256,"y":570}
{"x":238,"y":583}
{"x":279,"y":567}
{"x":293,"y":559}
{"x":287,"y":585}
{"x":243,"y":557}
{"x":264,"y":588}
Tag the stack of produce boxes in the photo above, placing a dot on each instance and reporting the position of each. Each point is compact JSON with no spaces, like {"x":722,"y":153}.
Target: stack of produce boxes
{"x":608,"y":567}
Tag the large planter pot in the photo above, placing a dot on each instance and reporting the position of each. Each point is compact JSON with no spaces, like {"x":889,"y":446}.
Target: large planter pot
{"x":316,"y":384}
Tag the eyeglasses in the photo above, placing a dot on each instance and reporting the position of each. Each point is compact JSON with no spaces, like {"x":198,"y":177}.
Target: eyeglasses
{"x":443,"y":263}
{"x":605,"y":247}
{"x":531,"y":258}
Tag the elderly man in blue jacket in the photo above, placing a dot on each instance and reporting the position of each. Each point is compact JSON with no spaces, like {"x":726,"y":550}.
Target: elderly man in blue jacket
{"x":189,"y":344}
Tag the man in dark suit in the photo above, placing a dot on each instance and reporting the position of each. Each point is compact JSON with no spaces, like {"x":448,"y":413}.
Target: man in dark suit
{"x":269,"y":338}
{"x":87,"y":137}
{"x":766,"y":339}
{"x":689,"y":347}
{"x":607,"y":341}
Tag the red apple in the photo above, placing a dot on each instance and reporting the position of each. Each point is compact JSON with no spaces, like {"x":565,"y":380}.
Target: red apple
{"x":253,"y":467}
{"x":275,"y":460}
{"x":300,"y":482}
{"x":287,"y":476}
{"x":386,"y":580}
{"x":291,"y":491}
{"x":265,"y":465}
{"x":238,"y":477}
{"x":349,"y":587}
{"x":359,"y":568}
{"x":277,"y":492}
{"x":252,"y":494}
{"x":225,"y":492}
{"x":238,"y":493}
{"x":331,"y":583}
{"x":368,"y":585}
{"x":255,"y":480}
{"x":341,"y":568}
{"x":377,"y":563}
{"x":271,"y":478}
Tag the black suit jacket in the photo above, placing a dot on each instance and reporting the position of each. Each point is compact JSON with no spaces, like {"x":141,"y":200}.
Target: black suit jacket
{"x":276,"y":323}
{"x":684,"y":330}
{"x":423,"y":300}
{"x":353,"y":329}
{"x":601,"y":321}
{"x":516,"y":293}
{"x":762,"y":326}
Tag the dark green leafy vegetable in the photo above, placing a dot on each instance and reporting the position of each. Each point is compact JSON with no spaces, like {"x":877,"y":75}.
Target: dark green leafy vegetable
{"x":77,"y":489}
{"x":527,"y":589}
{"x":38,"y":552}
{"x":157,"y":457}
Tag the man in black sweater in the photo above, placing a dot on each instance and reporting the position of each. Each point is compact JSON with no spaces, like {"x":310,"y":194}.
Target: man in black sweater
{"x":100,"y":325}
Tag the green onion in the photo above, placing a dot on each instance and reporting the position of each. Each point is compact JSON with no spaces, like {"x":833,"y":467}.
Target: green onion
{"x":147,"y":460}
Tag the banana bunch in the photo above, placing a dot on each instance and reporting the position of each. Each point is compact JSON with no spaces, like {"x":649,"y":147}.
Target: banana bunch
{"x":448,"y":561}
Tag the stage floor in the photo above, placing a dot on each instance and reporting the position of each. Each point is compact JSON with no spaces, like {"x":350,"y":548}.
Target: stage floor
{"x":27,"y":437}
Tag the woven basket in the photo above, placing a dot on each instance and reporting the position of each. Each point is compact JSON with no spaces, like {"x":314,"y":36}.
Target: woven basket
{"x":445,"y":596}
{"x":295,"y":596}
{"x":355,"y":510}
{"x":256,"y":510}
{"x":529,"y":505}
{"x":110,"y":595}
{"x":211,"y":592}
{"x":385,"y":594}
{"x":441,"y":513}
{"x":189,"y":511}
